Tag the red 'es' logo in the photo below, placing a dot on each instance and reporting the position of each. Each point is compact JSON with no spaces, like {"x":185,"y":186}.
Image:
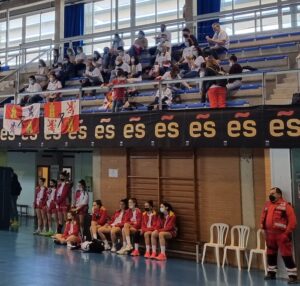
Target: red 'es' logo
{"x":167,"y":117}
{"x":105,"y":120}
{"x":203,"y":116}
{"x":135,"y":119}
{"x":285,"y":113}
{"x":242,"y":115}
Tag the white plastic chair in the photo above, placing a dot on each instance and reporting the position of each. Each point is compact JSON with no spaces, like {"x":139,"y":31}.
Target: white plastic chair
{"x":221,"y":230}
{"x":259,"y":250}
{"x":242,"y":242}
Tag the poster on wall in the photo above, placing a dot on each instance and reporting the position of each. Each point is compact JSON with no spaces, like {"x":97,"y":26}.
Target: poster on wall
{"x":259,"y":127}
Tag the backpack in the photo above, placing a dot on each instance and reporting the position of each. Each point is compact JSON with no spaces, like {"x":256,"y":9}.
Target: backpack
{"x":95,"y":246}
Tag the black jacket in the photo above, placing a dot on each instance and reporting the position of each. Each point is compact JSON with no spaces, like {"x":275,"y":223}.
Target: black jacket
{"x":15,"y":186}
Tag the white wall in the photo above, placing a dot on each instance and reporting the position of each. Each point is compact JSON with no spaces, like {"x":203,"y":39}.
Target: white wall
{"x":24,"y":164}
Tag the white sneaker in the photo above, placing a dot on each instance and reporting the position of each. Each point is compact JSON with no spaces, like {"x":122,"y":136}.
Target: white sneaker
{"x":106,"y":247}
{"x":128,"y":247}
{"x":113,"y":249}
{"x":122,"y":251}
{"x":38,"y":231}
{"x":69,"y":245}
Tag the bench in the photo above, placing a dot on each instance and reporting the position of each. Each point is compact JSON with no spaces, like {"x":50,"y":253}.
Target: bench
{"x":23,"y":210}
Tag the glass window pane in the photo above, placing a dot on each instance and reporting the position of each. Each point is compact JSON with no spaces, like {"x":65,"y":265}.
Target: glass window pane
{"x":103,"y":16}
{"x":286,"y":21}
{"x":33,"y":28}
{"x":239,"y":4}
{"x":2,"y":35}
{"x":47,"y":25}
{"x":166,"y":10}
{"x":246,"y":27}
{"x":88,"y":18}
{"x":270,"y":23}
{"x":124,"y":14}
{"x":145,"y":12}
{"x":15,"y":32}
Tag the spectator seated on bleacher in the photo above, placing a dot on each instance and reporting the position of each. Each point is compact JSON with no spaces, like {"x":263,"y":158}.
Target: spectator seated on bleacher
{"x":163,"y":60}
{"x":163,"y":38}
{"x":125,"y":56}
{"x":68,"y":68}
{"x":80,"y":60}
{"x":56,"y":58}
{"x":215,"y":90}
{"x":219,"y":43}
{"x":135,"y":73}
{"x":117,"y":43}
{"x":107,"y":66}
{"x":194,"y":65}
{"x":97,"y":60}
{"x":186,"y":34}
{"x":53,"y":85}
{"x":188,"y":52}
{"x":234,"y":84}
{"x":140,"y":44}
{"x":166,"y":98}
{"x":33,"y":87}
{"x":42,"y":74}
{"x":120,"y":65}
{"x":92,"y":74}
{"x":71,"y":55}
{"x":60,"y":74}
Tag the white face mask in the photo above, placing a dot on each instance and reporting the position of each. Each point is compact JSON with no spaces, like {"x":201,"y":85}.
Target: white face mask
{"x":195,"y":53}
{"x":230,"y":64}
{"x":162,"y":210}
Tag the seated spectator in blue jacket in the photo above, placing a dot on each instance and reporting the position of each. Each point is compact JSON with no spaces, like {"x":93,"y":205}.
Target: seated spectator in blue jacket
{"x":234,"y":84}
{"x":219,"y":43}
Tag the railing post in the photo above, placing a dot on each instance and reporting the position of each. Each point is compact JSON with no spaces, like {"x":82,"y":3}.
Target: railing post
{"x":160,"y":96}
{"x":264,"y":95}
{"x":80,"y":98}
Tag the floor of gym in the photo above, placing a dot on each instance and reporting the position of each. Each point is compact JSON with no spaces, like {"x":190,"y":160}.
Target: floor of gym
{"x":30,"y":260}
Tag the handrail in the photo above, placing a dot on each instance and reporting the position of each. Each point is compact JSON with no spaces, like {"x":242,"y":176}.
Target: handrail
{"x":25,"y":64}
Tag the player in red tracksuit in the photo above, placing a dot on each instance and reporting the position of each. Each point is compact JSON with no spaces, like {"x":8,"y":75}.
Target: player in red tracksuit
{"x":81,"y":203}
{"x":51,"y":208}
{"x":39,"y":203}
{"x":71,"y":235}
{"x":278,"y":219}
{"x":133,"y":222}
{"x":149,"y":221}
{"x":99,"y":219}
{"x":114,"y":227}
{"x":62,"y":199}
{"x":165,"y":229}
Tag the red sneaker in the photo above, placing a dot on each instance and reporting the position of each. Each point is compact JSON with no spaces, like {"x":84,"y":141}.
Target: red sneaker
{"x":135,"y":253}
{"x":161,"y":257}
{"x":147,"y":255}
{"x":153,"y":256}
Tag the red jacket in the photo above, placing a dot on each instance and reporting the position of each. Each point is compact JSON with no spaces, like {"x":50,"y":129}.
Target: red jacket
{"x":138,"y":219}
{"x":114,"y":217}
{"x":167,"y":224}
{"x":100,"y":216}
{"x":40,"y":197}
{"x":145,"y":220}
{"x":63,"y":197}
{"x":278,"y":216}
{"x":71,"y":228}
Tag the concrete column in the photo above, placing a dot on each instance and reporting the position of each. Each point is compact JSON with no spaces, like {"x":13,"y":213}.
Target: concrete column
{"x":59,"y":20}
{"x":188,"y":13}
{"x":96,"y":174}
{"x":247,"y":193}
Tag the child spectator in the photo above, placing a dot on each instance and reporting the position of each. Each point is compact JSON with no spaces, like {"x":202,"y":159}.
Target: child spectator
{"x":53,"y":85}
{"x":166,"y":98}
{"x":125,"y":57}
{"x":33,"y":87}
{"x":119,"y":93}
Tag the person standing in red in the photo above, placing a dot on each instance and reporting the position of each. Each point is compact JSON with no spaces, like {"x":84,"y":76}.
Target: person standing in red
{"x":278,"y":219}
{"x":165,"y":229}
{"x":62,"y":199}
{"x":39,"y":204}
{"x":133,"y":222}
{"x":119,"y":93}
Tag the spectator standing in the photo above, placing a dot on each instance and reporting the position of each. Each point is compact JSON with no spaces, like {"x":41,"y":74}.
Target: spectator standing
{"x":68,"y":68}
{"x":14,"y":194}
{"x":42,"y":74}
{"x":56,"y":58}
{"x":119,"y":93}
{"x":80,"y":60}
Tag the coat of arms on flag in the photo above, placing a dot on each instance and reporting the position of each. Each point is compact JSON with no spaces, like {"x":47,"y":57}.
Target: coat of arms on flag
{"x":61,"y":117}
{"x":20,"y":120}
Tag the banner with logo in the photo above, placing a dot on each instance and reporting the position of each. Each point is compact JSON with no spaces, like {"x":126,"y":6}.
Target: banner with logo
{"x":262,"y":127}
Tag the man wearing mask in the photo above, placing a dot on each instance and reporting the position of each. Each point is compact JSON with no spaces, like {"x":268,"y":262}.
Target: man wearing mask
{"x":120,"y":65}
{"x":33,"y":87}
{"x":278,"y":219}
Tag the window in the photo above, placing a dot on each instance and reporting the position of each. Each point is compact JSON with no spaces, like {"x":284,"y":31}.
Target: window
{"x":47,"y":25}
{"x":33,"y":28}
{"x":15,"y":34}
{"x":145,"y":12}
{"x":124,"y":12}
{"x":104,"y":16}
{"x":2,"y":35}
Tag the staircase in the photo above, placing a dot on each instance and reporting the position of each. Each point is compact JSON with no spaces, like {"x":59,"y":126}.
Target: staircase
{"x":284,"y":90}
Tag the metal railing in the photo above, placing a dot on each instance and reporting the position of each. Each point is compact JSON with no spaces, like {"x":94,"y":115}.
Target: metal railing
{"x":258,"y":77}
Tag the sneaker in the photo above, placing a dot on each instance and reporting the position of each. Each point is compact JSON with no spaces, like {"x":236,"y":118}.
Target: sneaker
{"x":293,"y":280}
{"x":69,"y":245}
{"x":161,"y":257}
{"x":135,"y":253}
{"x":147,"y":255}
{"x":153,"y":255}
{"x":37,"y":232}
{"x":106,"y":247}
{"x":128,"y":247}
{"x":270,"y":276}
{"x":74,"y":247}
{"x":122,"y":251}
{"x":113,"y":249}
